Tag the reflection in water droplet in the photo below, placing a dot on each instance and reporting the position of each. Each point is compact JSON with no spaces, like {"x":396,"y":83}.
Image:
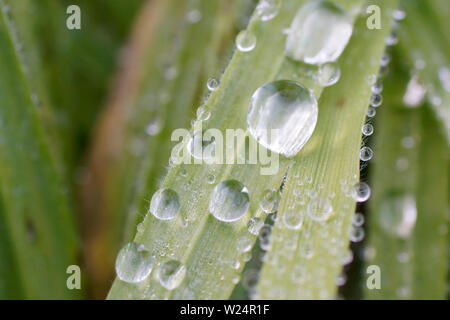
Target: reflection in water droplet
{"x":171,"y":274}
{"x":133,"y":263}
{"x":282,"y":116}
{"x":165,"y":204}
{"x":229,"y":201}
{"x":319,"y":33}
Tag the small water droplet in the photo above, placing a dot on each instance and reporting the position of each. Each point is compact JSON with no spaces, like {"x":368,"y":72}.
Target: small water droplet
{"x":367,"y":129}
{"x":376,"y":100}
{"x":203,"y":114}
{"x":356,"y":234}
{"x":245,"y":41}
{"x":398,"y":14}
{"x":255,"y":225}
{"x":282,"y":116}
{"x":194,"y":16}
{"x":270,"y":201}
{"x":133,"y":263}
{"x":361,"y":192}
{"x":365,"y":154}
{"x":319,"y":209}
{"x":212,"y":84}
{"x":229,"y":201}
{"x":398,"y":214}
{"x":293,"y":219}
{"x":200,"y":147}
{"x":267,"y":9}
{"x":328,"y":74}
{"x":319,"y":33}
{"x":370,"y":112}
{"x":171,"y":274}
{"x":244,"y":244}
{"x":165,"y":204}
{"x":358,"y":219}
{"x":154,"y":127}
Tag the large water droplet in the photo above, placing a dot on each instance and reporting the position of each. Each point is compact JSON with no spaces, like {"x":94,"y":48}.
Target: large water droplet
{"x":319,"y":209}
{"x":229,"y":201}
{"x":133,"y":263}
{"x":319,"y":33}
{"x":165,"y":204}
{"x":171,"y":274}
{"x":282,"y":116}
{"x":398,"y":214}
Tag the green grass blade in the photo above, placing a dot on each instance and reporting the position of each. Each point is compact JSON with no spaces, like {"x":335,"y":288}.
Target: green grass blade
{"x":176,"y":56}
{"x":328,"y":167}
{"x":427,"y":49}
{"x":418,"y":171}
{"x":205,"y":245}
{"x":35,"y":211}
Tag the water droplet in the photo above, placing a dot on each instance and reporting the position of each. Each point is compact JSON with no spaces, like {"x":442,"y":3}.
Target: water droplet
{"x":171,"y":274}
{"x":328,"y":74}
{"x":282,"y":116}
{"x":194,"y":16}
{"x":203,"y":114}
{"x":365,"y":154}
{"x":371,"y":79}
{"x":264,"y":237}
{"x":270,"y":201}
{"x":267,"y":9}
{"x":133,"y":263}
{"x":211,"y":178}
{"x":319,"y":33}
{"x":398,"y":14}
{"x":356,"y":234}
{"x":358,"y":219}
{"x":165,"y":204}
{"x":212,"y":84}
{"x":376,"y":100}
{"x":244,"y":244}
{"x":319,"y":209}
{"x":391,"y":39}
{"x":200,"y":147}
{"x":255,"y":225}
{"x":245,"y":41}
{"x":293,"y":219}
{"x":229,"y":201}
{"x":370,"y":112}
{"x":367,"y":129}
{"x":398,"y":214}
{"x":361,"y":192}
{"x":414,"y":93}
{"x":377,"y":87}
{"x":408,"y":142}
{"x":154,"y":127}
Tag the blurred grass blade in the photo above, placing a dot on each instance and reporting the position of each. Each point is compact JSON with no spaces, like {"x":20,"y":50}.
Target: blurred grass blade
{"x":427,"y":49}
{"x":305,"y":264}
{"x":167,"y":63}
{"x":407,"y":218}
{"x":40,"y":227}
